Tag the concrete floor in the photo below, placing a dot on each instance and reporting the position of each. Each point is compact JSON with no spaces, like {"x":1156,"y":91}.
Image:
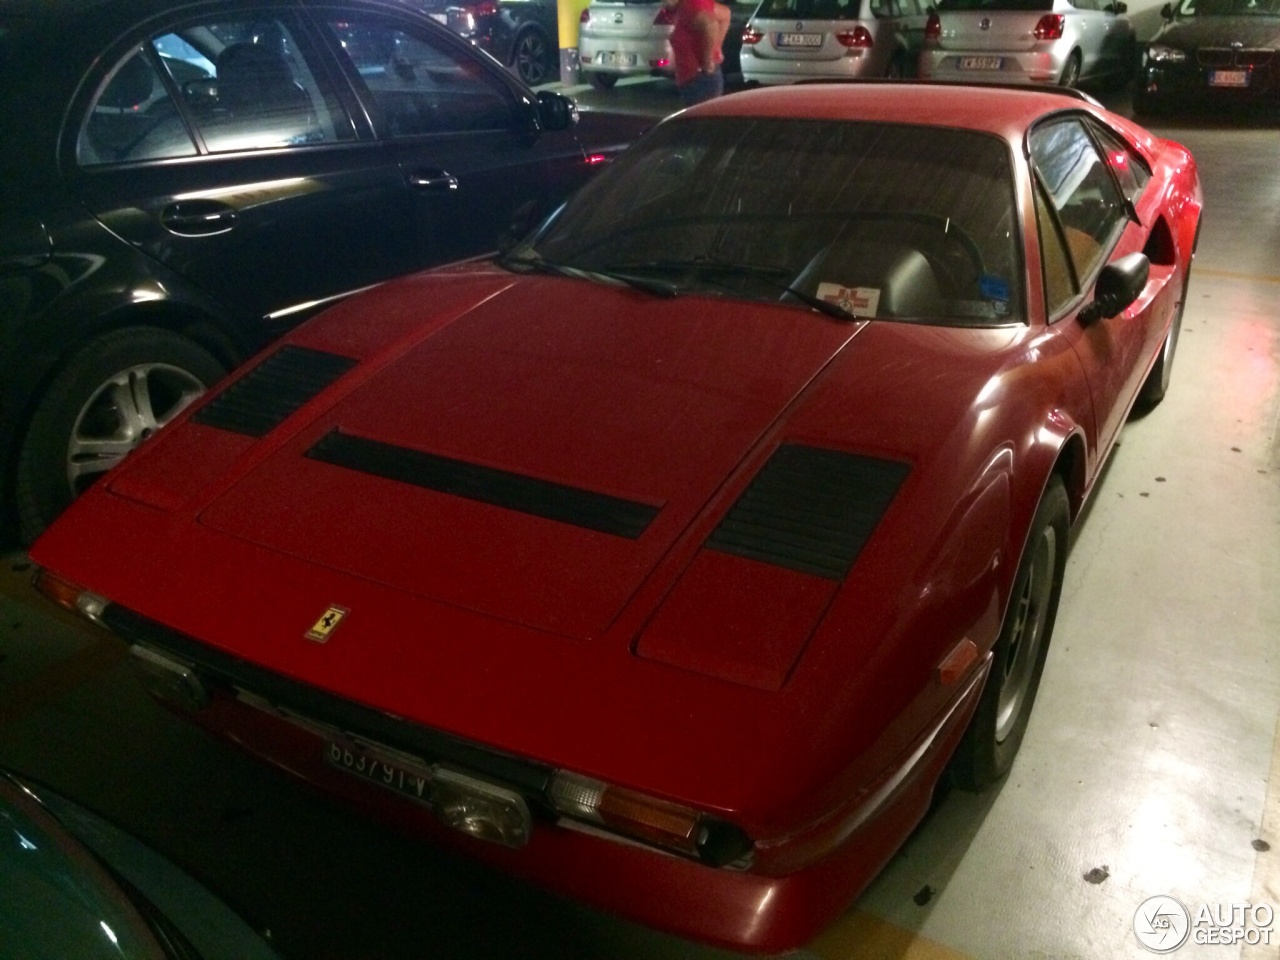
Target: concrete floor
{"x":1150,"y":766}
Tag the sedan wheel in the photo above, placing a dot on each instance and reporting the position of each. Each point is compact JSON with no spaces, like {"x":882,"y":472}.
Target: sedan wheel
{"x":111,"y":396}
{"x":1071,"y":72}
{"x":995,"y":733}
{"x":531,"y":57}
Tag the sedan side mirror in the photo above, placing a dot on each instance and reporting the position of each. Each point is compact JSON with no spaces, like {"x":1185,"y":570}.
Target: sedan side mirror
{"x":1166,"y":12}
{"x":556,"y":111}
{"x":1119,"y":284}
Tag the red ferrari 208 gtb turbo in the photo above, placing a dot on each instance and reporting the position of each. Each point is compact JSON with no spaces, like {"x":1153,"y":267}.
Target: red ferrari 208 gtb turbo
{"x":671,"y":557}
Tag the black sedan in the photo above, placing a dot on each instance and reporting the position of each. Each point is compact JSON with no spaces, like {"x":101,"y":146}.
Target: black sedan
{"x":1218,"y":53}
{"x":182,"y":182}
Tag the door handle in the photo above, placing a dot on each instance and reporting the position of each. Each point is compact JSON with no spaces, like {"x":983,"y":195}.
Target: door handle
{"x":434,"y":179}
{"x":198,"y":218}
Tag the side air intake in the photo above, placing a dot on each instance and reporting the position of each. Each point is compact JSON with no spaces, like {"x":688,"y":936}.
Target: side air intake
{"x":810,"y":510}
{"x":260,"y":401}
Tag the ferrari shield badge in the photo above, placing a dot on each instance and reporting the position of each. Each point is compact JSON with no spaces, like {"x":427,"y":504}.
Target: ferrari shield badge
{"x":328,"y":622}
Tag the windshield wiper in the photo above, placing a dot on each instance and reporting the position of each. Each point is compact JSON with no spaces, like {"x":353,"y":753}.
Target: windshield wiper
{"x":536,"y":264}
{"x":704,"y":265}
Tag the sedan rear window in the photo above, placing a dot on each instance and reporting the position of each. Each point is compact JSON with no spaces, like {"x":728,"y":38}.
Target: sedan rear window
{"x":886,"y":220}
{"x":810,"y":10}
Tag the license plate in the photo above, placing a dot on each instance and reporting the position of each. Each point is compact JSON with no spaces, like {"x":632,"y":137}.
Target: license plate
{"x":979,"y":63}
{"x":798,"y":40}
{"x":1228,"y":78}
{"x":618,"y":59}
{"x":414,"y":784}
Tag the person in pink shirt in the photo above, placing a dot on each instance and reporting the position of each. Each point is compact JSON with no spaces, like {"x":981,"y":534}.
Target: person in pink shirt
{"x":696,"y":41}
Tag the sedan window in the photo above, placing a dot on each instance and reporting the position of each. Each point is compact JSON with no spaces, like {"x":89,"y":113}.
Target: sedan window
{"x":417,"y":82}
{"x":133,"y":118}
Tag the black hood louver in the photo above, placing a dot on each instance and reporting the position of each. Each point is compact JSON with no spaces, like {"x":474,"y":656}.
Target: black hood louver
{"x":810,"y":510}
{"x":499,"y":488}
{"x":260,"y":401}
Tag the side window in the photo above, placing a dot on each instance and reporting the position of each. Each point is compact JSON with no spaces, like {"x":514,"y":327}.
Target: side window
{"x":418,"y":83}
{"x":1059,"y":282}
{"x":1125,"y":162}
{"x":261,"y":91}
{"x":133,"y":118}
{"x":1081,"y":190}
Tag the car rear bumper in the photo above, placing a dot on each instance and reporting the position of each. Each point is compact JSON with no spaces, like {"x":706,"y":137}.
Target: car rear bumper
{"x":610,"y":55}
{"x":769,"y":70}
{"x":1036,"y":66}
{"x":1190,"y":86}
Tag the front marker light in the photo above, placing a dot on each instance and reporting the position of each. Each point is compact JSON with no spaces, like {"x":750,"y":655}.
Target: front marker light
{"x":671,"y":826}
{"x":1159,"y":53}
{"x":69,"y":596}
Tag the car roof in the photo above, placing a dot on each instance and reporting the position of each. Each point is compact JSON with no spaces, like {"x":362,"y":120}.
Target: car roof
{"x":1004,"y":111}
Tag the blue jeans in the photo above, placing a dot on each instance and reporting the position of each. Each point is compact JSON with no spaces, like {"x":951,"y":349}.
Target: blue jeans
{"x":705,"y":86}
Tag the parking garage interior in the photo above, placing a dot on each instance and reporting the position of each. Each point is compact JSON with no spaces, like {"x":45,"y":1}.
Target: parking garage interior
{"x":1151,"y":765}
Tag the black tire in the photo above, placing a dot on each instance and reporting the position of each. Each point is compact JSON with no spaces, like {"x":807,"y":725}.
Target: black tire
{"x":111,"y":395}
{"x":1071,"y":71}
{"x":1156,"y":385}
{"x":986,"y":753}
{"x":532,"y":57}
{"x":602,"y":81}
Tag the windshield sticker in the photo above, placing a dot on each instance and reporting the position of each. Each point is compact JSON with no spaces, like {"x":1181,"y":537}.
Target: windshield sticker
{"x":855,"y":301}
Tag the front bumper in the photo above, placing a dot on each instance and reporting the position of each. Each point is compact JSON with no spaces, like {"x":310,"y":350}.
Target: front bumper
{"x":1188,"y":85}
{"x":773,"y":896}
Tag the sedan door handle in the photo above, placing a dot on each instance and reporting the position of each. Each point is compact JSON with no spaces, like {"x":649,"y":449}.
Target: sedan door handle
{"x":433,"y":179}
{"x":198,"y":218}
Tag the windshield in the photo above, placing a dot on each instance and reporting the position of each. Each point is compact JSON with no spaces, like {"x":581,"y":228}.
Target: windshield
{"x":1229,"y":8}
{"x":882,"y":220}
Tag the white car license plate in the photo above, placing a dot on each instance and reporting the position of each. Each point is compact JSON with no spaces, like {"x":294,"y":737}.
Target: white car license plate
{"x":612,"y":59}
{"x":798,"y":40}
{"x":414,"y":784}
{"x":1228,"y":78}
{"x":980,"y":63}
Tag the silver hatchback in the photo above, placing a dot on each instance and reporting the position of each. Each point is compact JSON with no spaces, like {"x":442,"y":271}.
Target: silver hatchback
{"x":1029,"y":41}
{"x":789,"y":40}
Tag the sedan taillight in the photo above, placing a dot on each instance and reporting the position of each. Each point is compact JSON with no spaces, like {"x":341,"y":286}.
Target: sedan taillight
{"x":859,"y":37}
{"x":1050,"y":26}
{"x":585,"y":17}
{"x":484,"y":8}
{"x":933,"y":27}
{"x":666,"y":17}
{"x":751,"y":36}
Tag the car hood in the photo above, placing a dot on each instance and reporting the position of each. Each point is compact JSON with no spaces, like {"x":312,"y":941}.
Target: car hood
{"x":1222,"y":31}
{"x":533,"y":471}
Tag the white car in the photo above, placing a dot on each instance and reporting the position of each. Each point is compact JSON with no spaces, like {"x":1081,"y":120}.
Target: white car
{"x":789,"y":40}
{"x":1029,"y":41}
{"x":619,"y":38}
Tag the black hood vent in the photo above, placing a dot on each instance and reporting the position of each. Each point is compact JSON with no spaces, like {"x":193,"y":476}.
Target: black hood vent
{"x":260,"y":401}
{"x":499,"y":488}
{"x":810,"y":510}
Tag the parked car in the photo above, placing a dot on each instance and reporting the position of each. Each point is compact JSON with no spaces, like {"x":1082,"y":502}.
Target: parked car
{"x":1216,"y":53}
{"x":183,"y":183}
{"x":789,"y":40}
{"x":76,"y":885}
{"x":619,"y":38}
{"x":669,"y":559}
{"x":522,"y":34}
{"x":1029,"y":41}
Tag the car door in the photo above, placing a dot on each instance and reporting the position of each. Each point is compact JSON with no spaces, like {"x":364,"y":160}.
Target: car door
{"x":1084,"y":223}
{"x":461,"y":131}
{"x":219,"y":144}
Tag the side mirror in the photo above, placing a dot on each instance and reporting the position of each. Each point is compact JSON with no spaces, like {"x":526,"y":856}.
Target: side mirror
{"x":1119,"y":284}
{"x":1166,"y":12}
{"x":556,"y":111}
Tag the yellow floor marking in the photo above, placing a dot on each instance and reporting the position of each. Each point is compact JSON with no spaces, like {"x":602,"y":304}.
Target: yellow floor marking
{"x":1234,"y":275}
{"x":1266,"y":867}
{"x":860,"y":936}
